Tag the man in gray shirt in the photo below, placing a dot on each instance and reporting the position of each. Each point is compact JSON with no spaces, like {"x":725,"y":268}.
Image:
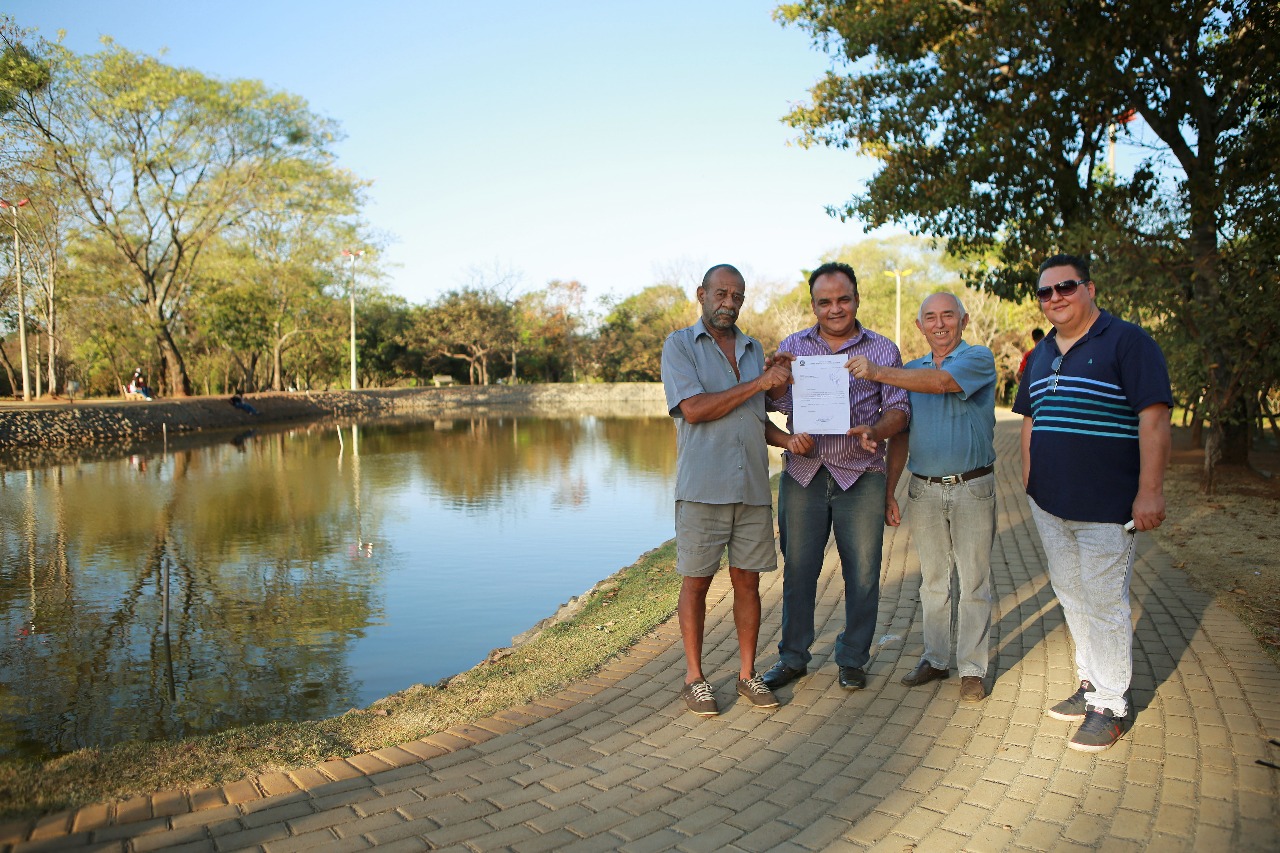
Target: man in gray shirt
{"x":715,"y":378}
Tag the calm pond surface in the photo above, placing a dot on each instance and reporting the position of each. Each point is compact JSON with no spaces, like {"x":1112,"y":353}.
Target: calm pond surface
{"x":296,"y":573}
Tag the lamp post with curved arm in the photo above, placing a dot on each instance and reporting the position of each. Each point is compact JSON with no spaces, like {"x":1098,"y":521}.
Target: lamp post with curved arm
{"x":17,"y":277}
{"x":348,"y":253}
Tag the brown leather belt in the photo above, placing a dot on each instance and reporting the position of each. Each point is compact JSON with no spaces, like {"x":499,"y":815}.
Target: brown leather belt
{"x":952,"y":479}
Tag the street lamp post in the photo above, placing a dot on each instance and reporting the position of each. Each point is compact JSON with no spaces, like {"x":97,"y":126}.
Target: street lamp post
{"x":17,"y":277}
{"x":348,"y":253}
{"x":897,"y":314}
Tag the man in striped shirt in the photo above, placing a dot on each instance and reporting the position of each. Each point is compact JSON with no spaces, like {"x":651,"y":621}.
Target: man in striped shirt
{"x":835,"y":483}
{"x":1095,"y":402}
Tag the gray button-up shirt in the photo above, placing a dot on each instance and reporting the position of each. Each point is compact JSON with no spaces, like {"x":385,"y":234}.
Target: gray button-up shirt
{"x":723,"y":461}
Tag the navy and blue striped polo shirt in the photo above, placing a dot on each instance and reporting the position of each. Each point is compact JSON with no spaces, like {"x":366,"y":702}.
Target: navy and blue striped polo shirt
{"x":1084,"y":435}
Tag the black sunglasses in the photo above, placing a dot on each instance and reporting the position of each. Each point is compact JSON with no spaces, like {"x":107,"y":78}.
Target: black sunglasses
{"x":1056,"y":364}
{"x":1064,"y":288}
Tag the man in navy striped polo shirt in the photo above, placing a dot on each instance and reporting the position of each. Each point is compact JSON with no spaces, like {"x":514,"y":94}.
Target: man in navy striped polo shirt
{"x":1095,"y":402}
{"x":835,"y":483}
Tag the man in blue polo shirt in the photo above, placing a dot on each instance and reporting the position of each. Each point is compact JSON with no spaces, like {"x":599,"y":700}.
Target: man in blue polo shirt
{"x":1095,"y":402}
{"x":952,"y":493}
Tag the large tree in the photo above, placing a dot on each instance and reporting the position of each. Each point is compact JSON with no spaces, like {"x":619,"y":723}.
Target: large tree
{"x":162,"y":160}
{"x":992,"y":122}
{"x":549,"y":332}
{"x":475,"y":324}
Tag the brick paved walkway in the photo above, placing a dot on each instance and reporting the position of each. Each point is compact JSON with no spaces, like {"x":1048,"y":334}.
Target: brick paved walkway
{"x":615,"y":763}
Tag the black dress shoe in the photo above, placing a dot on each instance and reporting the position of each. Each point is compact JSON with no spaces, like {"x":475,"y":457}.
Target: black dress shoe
{"x":780,"y":674}
{"x":853,"y":677}
{"x":924,"y":673}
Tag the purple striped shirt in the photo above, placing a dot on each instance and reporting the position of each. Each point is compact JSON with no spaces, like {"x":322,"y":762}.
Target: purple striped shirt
{"x":841,"y":454}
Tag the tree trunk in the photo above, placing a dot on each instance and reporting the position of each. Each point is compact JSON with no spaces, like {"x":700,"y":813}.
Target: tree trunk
{"x":175,"y":369}
{"x":36,"y":365}
{"x":1220,"y":401}
{"x":8,"y":368}
{"x":53,"y":349}
{"x":277,"y":369}
{"x":1235,"y":435}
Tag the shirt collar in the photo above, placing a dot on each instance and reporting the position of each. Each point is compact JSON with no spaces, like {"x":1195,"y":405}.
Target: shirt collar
{"x":1099,"y":326}
{"x":961,"y":347}
{"x":700,"y":328}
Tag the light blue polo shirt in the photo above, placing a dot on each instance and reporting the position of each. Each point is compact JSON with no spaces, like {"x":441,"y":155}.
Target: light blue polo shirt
{"x":953,"y":433}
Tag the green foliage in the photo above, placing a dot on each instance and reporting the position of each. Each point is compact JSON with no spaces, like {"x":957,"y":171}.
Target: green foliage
{"x":474,"y":325}
{"x":382,"y":322}
{"x":549,"y":329}
{"x":161,"y":160}
{"x":21,"y":71}
{"x":629,"y":343}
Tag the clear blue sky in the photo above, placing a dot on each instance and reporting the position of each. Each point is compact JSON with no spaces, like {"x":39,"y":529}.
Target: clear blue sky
{"x":601,"y":141}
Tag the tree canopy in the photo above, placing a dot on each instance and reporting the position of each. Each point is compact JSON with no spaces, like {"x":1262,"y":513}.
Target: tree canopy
{"x":160,"y":160}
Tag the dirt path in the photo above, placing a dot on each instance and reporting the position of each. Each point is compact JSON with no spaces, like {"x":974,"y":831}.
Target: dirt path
{"x":1227,"y":542}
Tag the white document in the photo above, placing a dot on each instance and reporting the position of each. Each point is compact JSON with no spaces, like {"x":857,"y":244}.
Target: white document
{"x":820,"y":397}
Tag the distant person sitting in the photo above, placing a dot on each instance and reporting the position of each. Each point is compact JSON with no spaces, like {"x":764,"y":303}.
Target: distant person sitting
{"x":138,"y":385}
{"x":1037,"y":335}
{"x":239,"y":403}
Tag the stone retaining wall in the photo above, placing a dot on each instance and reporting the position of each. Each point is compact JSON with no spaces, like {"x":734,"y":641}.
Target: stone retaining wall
{"x":122,"y":422}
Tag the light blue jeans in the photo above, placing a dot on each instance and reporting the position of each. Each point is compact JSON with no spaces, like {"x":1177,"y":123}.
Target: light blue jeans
{"x":1090,"y":567}
{"x":807,"y":516}
{"x":953,"y":527}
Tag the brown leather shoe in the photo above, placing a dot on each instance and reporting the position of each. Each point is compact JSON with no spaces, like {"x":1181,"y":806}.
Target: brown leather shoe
{"x":924,"y":673}
{"x":971,"y":689}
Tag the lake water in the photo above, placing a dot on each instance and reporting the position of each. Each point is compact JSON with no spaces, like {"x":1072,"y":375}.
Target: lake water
{"x":296,"y":573}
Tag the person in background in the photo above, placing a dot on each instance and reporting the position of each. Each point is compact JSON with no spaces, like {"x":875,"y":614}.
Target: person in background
{"x":1037,"y":335}
{"x":138,"y":384}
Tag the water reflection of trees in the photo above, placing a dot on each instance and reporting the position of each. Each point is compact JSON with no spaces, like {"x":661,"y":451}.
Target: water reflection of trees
{"x":646,"y":445}
{"x":245,"y":564}
{"x":478,"y":462}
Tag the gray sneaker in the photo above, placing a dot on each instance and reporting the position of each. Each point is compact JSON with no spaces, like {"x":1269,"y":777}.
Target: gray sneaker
{"x":1071,"y":708}
{"x":1100,"y":729}
{"x":699,"y":699}
{"x":756,"y":692}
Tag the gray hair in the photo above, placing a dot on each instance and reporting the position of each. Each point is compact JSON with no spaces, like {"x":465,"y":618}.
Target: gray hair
{"x":959,"y":304}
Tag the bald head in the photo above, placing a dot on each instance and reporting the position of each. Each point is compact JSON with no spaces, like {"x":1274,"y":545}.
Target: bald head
{"x":944,"y":296}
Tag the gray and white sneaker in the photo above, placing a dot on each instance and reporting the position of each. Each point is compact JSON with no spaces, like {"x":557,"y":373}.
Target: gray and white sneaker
{"x":756,"y":692}
{"x":699,"y":699}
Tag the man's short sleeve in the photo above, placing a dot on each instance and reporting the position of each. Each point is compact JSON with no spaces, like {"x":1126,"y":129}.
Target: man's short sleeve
{"x":973,"y":369}
{"x":1145,"y":375}
{"x":679,"y":373}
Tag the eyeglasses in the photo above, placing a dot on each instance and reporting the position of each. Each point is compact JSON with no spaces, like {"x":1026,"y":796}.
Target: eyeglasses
{"x":1064,"y":288}
{"x":1056,"y":364}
